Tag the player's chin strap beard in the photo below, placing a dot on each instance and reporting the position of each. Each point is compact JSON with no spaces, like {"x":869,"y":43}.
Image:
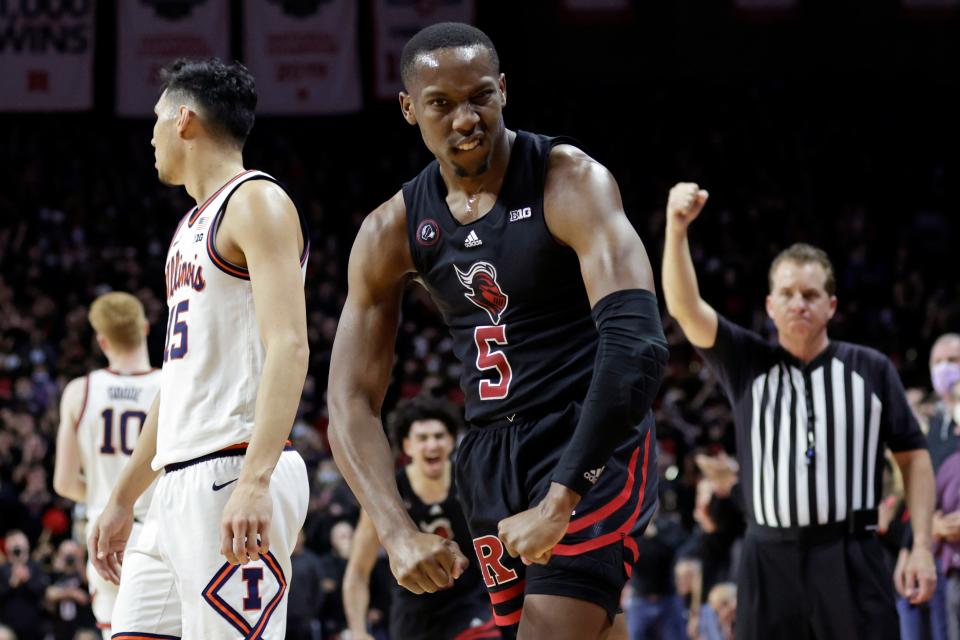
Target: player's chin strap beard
{"x":462,"y":172}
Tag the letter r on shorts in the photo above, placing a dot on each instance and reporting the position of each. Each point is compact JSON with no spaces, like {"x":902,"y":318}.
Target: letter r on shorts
{"x":489,"y":552}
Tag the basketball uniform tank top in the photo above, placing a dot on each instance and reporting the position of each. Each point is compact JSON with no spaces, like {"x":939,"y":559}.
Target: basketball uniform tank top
{"x":213,"y":356}
{"x":511,"y":295}
{"x":445,"y":519}
{"x":115,"y":406}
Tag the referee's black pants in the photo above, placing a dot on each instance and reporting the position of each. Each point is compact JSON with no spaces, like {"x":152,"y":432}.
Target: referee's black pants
{"x":828,"y":586}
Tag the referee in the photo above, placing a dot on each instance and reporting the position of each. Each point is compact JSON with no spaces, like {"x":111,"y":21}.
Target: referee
{"x":812,"y":418}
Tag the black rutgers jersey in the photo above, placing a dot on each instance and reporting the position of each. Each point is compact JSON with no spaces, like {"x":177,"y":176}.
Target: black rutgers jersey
{"x":446,"y":520}
{"x":512,"y":296}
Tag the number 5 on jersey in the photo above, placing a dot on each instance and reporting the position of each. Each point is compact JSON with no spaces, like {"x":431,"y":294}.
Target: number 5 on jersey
{"x":487,"y":358}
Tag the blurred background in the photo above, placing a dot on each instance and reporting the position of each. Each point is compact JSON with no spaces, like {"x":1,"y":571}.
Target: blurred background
{"x":826,"y":121}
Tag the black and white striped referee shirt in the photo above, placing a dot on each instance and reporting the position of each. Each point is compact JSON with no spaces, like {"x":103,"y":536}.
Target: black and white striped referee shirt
{"x":810,"y":437}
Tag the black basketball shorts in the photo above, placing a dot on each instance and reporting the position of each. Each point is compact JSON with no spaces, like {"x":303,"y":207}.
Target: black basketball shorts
{"x":505,"y":468}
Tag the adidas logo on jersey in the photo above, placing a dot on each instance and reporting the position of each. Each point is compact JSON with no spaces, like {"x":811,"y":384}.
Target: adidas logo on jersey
{"x":594,"y":475}
{"x":472,"y":240}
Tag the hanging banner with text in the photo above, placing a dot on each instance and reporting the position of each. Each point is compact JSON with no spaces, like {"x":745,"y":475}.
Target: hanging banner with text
{"x":46,"y":55}
{"x":764,"y":9}
{"x":153,"y":33}
{"x":395,"y":22}
{"x":596,"y":11}
{"x":765,"y":5}
{"x":932,"y":6}
{"x":304,"y":56}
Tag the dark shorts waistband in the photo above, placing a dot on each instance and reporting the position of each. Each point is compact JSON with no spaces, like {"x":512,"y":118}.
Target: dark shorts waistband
{"x":509,"y":421}
{"x":524,"y":417}
{"x":232,"y":450}
{"x":860,"y":524}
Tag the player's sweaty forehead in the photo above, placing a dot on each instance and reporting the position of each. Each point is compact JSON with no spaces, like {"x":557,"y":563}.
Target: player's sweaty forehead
{"x":453,"y":67}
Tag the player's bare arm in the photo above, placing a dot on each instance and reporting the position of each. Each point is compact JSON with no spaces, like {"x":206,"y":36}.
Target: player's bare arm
{"x":696,"y":317}
{"x":109,"y":536}
{"x":67,"y":479}
{"x":363,"y":355}
{"x":261,"y":231}
{"x":919,"y":575}
{"x":583,"y":209}
{"x":356,"y":577}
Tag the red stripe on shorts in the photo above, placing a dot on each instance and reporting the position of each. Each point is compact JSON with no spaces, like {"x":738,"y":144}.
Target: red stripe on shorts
{"x":614,"y":536}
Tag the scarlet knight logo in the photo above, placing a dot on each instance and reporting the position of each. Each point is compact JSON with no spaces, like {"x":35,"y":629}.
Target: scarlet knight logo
{"x":439,"y":527}
{"x":485,"y":291}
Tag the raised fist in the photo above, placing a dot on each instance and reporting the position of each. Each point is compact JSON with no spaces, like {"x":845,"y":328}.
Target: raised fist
{"x":684,"y":205}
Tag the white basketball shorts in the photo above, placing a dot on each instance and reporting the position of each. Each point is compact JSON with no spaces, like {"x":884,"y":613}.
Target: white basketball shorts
{"x":175,"y":584}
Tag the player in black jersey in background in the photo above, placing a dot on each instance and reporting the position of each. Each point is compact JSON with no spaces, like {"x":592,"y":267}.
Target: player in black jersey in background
{"x":519,"y":239}
{"x":425,"y":430}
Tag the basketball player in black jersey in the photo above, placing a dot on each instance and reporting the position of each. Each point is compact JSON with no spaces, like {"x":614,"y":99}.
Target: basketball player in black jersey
{"x":523,"y":244}
{"x":425,"y":430}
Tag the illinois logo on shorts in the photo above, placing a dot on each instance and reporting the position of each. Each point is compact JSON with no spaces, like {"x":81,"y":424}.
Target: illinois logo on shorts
{"x":247,"y":595}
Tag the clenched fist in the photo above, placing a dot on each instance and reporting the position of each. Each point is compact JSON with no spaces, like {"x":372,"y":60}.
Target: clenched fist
{"x":425,"y":563}
{"x":684,"y":205}
{"x":532,"y":534}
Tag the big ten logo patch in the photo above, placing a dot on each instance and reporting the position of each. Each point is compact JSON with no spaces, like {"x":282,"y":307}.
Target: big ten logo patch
{"x":521,"y":214}
{"x":246,"y":596}
{"x":489,"y":552}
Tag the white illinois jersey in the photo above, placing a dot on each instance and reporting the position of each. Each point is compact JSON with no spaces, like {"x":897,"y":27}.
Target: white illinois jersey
{"x":213,"y":356}
{"x":114,"y":409}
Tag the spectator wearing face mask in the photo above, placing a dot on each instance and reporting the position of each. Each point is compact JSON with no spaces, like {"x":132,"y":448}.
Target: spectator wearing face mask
{"x":929,"y":620}
{"x":67,"y":598}
{"x":944,"y":434}
{"x":22,"y":584}
{"x":332,"y":567}
{"x":948,"y":545}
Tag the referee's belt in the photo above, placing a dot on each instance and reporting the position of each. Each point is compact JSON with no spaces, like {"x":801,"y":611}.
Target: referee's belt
{"x":859,"y":524}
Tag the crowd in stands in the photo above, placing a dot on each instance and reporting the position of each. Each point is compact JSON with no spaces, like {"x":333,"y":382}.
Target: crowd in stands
{"x":81,"y":212}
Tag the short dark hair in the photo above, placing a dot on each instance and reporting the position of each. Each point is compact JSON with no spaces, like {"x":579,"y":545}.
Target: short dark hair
{"x":443,"y":35}
{"x":802,"y":253}
{"x":421,"y":408}
{"x":227,"y":93}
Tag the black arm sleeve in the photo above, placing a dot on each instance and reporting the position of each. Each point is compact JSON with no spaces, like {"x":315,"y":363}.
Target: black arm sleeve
{"x":631,"y":356}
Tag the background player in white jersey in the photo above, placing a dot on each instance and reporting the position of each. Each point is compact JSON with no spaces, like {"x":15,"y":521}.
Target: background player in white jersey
{"x":233,"y":492}
{"x":101,"y":415}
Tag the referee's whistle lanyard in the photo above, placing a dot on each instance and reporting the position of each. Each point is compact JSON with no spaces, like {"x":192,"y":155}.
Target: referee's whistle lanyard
{"x":811,"y":452}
